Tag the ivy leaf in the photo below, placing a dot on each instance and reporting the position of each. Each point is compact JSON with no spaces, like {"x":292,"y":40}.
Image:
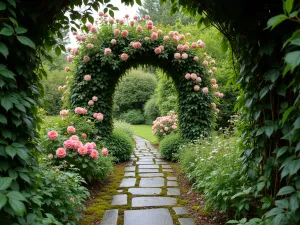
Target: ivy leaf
{"x":11,"y":151}
{"x":263,"y":92}
{"x":274,"y":212}
{"x":12,"y":2}
{"x":5,"y":183}
{"x":20,"y":30}
{"x":292,"y":59}
{"x":3,"y":119}
{"x":3,"y":49}
{"x":16,"y":195}
{"x":288,"y":5}
{"x":6,"y":103}
{"x":25,"y":177}
{"x":297,"y":123}
{"x":138,"y":2}
{"x":3,"y":200}
{"x":272,"y":75}
{"x":57,"y":51}
{"x":287,"y":113}
{"x":7,"y":73}
{"x":2,"y":6}
{"x":17,"y":206}
{"x":294,"y":205}
{"x":285,"y":190}
{"x":5,"y":31}
{"x":269,"y":130}
{"x":26,"y":41}
{"x":274,"y":21}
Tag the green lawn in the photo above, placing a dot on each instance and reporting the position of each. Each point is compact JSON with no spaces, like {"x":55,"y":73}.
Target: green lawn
{"x":145,"y":131}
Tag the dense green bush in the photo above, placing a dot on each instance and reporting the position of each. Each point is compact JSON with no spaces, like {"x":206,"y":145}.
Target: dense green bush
{"x":120,"y":145}
{"x":61,"y":194}
{"x":133,"y":116}
{"x":134,"y":90}
{"x":151,"y":110}
{"x":124,"y":127}
{"x":215,"y":168}
{"x":169,"y":147}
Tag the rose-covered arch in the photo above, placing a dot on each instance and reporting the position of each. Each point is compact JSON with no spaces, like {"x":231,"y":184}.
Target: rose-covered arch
{"x":112,"y":47}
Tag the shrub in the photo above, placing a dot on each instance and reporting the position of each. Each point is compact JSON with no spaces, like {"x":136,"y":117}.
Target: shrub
{"x":169,"y":147}
{"x":151,"y":110}
{"x":60,"y":194}
{"x":133,"y":116}
{"x":134,"y":90}
{"x":124,"y":127}
{"x":215,"y":167}
{"x":165,"y":125}
{"x":120,"y":146}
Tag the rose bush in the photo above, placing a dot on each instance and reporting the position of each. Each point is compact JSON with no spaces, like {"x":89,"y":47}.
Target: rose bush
{"x":165,"y":125}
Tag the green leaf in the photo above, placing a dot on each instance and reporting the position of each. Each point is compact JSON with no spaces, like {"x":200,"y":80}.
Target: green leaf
{"x":285,"y":190}
{"x":12,"y":2}
{"x":292,"y":59}
{"x":26,"y":41}
{"x":263,"y":92}
{"x":281,"y":151}
{"x":57,"y":51}
{"x":5,"y":182}
{"x":294,"y":205}
{"x":3,"y":200}
{"x":272,"y":75}
{"x":278,"y":218}
{"x":7,"y":73}
{"x":139,"y":2}
{"x":281,"y":89}
{"x":16,"y":196}
{"x":6,"y":103}
{"x":260,"y":131}
{"x":25,"y":177}
{"x":287,"y":113}
{"x":11,"y":151}
{"x":17,"y":206}
{"x":5,"y":31}
{"x":3,"y":119}
{"x":274,"y":21}
{"x":269,"y":130}
{"x":294,"y":14}
{"x":2,"y":6}
{"x":3,"y":49}
{"x":288,"y":5}
{"x":297,"y":123}
{"x":274,"y":212}
{"x":20,"y":30}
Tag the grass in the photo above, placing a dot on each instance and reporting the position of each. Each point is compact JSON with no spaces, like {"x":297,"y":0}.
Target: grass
{"x":145,"y":131}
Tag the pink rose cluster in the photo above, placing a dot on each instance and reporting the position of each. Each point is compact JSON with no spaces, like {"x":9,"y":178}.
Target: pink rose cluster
{"x":80,"y":111}
{"x":165,"y":125}
{"x":93,"y":100}
{"x":61,"y":88}
{"x":98,"y":116}
{"x":64,"y":113}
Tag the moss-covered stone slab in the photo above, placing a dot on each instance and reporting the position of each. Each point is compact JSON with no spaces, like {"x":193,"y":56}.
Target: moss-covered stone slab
{"x":130,"y":168}
{"x":145,"y":191}
{"x":153,"y":201}
{"x":171,"y":178}
{"x":172,"y":183}
{"x":119,"y":200}
{"x":173,"y":191}
{"x":151,"y":174}
{"x":181,"y":210}
{"x":128,"y":182}
{"x":145,"y":163}
{"x":110,"y":217}
{"x":148,"y":166}
{"x":148,"y":217}
{"x":148,"y":171}
{"x":152,"y":182}
{"x":168,"y":170}
{"x":186,"y":221}
{"x":129,"y":174}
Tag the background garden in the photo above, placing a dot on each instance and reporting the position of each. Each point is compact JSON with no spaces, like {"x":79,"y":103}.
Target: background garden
{"x":247,"y":167}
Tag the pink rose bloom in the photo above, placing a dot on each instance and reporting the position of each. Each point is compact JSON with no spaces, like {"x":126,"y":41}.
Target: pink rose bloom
{"x":75,"y":51}
{"x":139,"y":28}
{"x":74,"y":33}
{"x":111,"y":21}
{"x":95,"y":98}
{"x":217,"y":94}
{"x":174,"y":127}
{"x":89,"y":146}
{"x":91,"y":102}
{"x":61,"y":152}
{"x":104,"y":151}
{"x":142,"y":19}
{"x":124,"y":56}
{"x":205,"y":54}
{"x":124,"y":33}
{"x":187,"y":76}
{"x":213,"y":81}
{"x":205,"y":63}
{"x":177,"y":56}
{"x":135,"y":17}
{"x":126,"y":16}
{"x":166,"y":128}
{"x":94,"y":145}
{"x":185,"y":56}
{"x":67,"y":69}
{"x":210,"y":72}
{"x":107,"y":51}
{"x":146,"y":38}
{"x":131,"y":23}
{"x":69,"y":144}
{"x":175,"y":39}
{"x":176,"y":33}
{"x":137,"y":45}
{"x":196,"y":88}
{"x":101,"y":13}
{"x":205,"y":90}
{"x":94,"y":29}
{"x":154,"y":36}
{"x":87,"y":77}
{"x":89,"y":45}
{"x":113,"y":41}
{"x":159,"y":32}
{"x":71,"y":130}
{"x":186,"y":47}
{"x":83,"y":135}
{"x":147,"y":17}
{"x":154,"y":28}
{"x":69,"y":49}
{"x":157,"y":50}
{"x":181,"y":37}
{"x":77,"y":144}
{"x":121,"y":21}
{"x":214,"y":69}
{"x":161,"y":131}
{"x":180,"y":48}
{"x":99,"y":116}
{"x":149,"y":22}
{"x":83,"y":111}
{"x":198,"y":79}
{"x":89,"y":26}
{"x":213,"y":62}
{"x":50,"y":156}
{"x":166,"y":38}
{"x":221,"y":95}
{"x":217,"y":110}
{"x":69,"y":58}
{"x":52,"y":135}
{"x":201,"y":44}
{"x":196,"y":58}
{"x":149,"y":27}
{"x":86,"y":58}
{"x":82,"y":150}
{"x":171,"y":33}
{"x":64,"y":113}
{"x":105,"y":15}
{"x":94,"y":154}
{"x":117,"y":32}
{"x":194,"y":45}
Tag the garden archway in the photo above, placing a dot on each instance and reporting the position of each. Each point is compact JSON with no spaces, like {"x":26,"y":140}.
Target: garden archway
{"x":108,"y":52}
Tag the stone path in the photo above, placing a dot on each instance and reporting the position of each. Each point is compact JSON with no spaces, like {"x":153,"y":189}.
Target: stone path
{"x":150,"y":190}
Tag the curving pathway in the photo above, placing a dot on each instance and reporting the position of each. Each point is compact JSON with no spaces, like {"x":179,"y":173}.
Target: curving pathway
{"x":151,"y":191}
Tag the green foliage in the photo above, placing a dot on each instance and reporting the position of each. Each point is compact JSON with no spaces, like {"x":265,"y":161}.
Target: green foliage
{"x":165,"y":125}
{"x":134,"y":90}
{"x":124,"y":127}
{"x":133,"y":116}
{"x":169,"y":147}
{"x":151,"y":110}
{"x":120,"y":145}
